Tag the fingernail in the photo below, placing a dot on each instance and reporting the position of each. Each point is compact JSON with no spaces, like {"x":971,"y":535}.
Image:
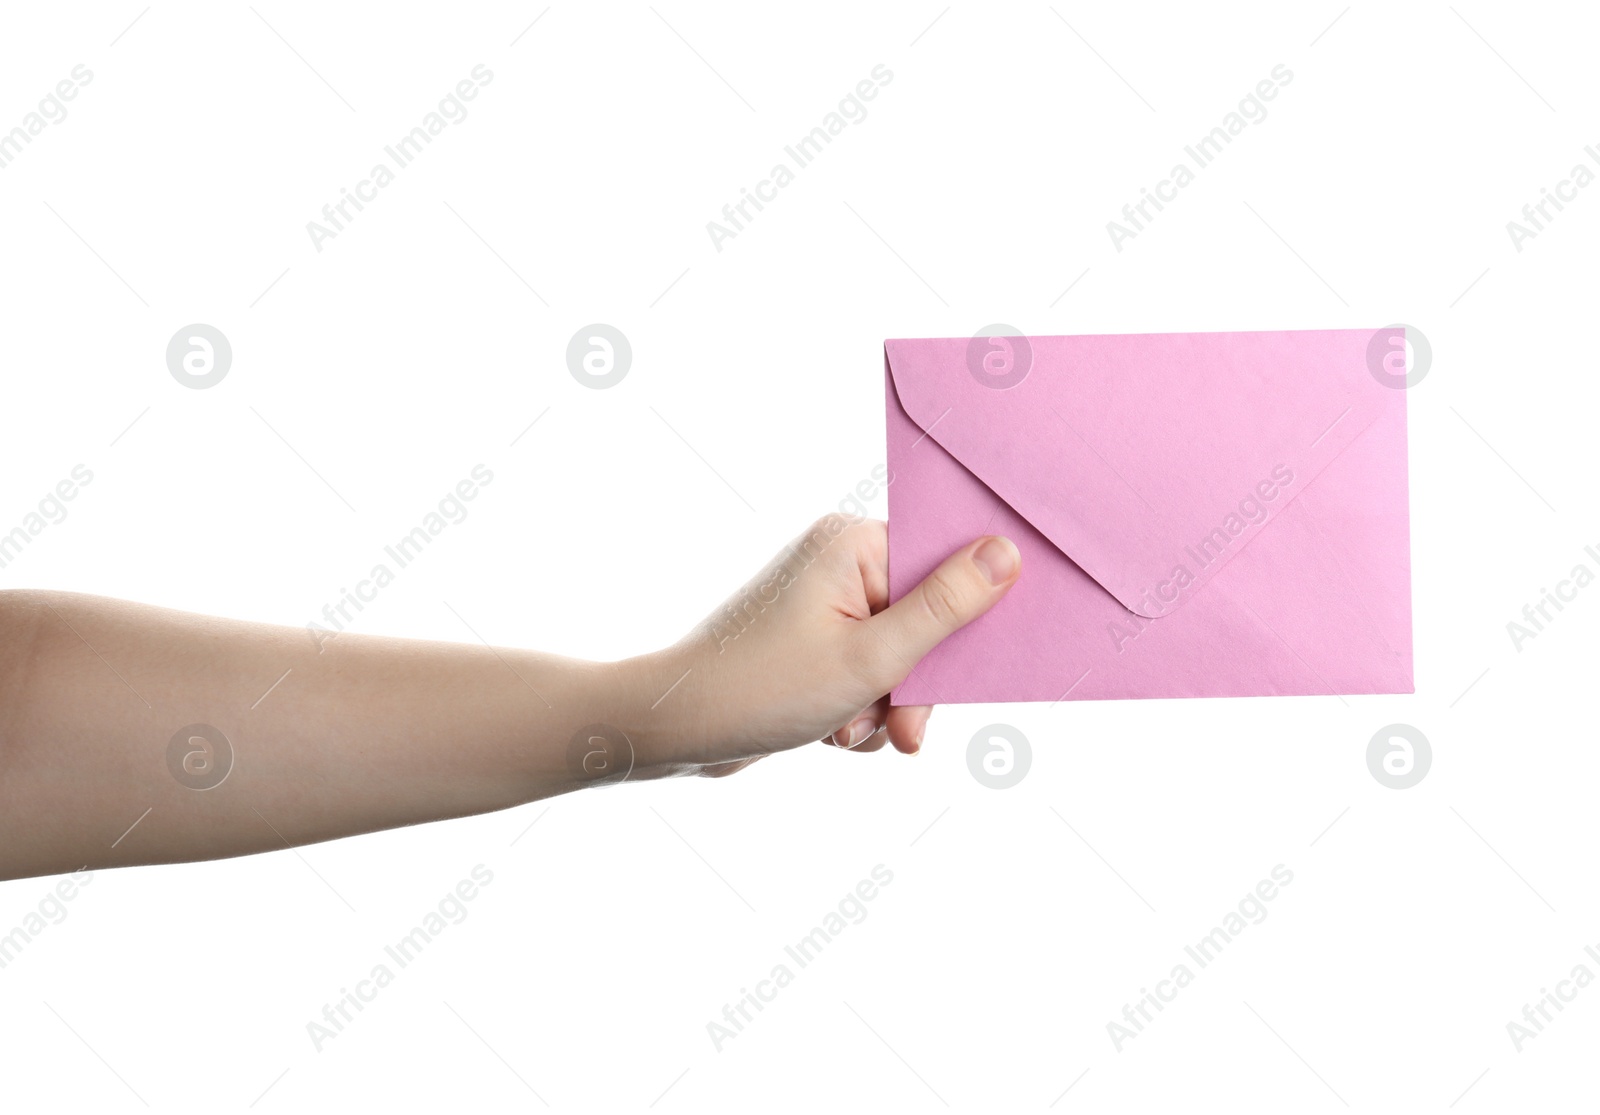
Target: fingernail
{"x":998,"y":558}
{"x":859,"y":731}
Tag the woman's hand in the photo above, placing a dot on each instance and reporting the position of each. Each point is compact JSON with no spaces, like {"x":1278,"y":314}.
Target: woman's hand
{"x":103,"y":703}
{"x":808,"y":650}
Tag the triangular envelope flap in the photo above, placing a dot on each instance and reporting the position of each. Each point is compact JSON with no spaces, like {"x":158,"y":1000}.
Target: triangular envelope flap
{"x":1150,"y":460}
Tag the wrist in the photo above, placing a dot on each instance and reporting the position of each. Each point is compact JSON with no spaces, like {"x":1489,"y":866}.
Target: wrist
{"x":648,"y":708}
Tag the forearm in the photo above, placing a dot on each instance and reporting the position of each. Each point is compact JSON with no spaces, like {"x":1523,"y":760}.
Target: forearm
{"x":131,"y":734}
{"x":357,"y":734}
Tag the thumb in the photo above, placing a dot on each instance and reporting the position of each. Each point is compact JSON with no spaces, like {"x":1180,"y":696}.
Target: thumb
{"x":965,"y":586}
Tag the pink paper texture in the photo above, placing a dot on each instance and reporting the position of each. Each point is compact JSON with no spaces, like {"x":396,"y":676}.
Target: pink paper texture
{"x":1199,"y":515}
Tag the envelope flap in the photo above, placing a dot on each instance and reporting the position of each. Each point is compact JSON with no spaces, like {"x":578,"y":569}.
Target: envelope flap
{"x":1150,"y":460}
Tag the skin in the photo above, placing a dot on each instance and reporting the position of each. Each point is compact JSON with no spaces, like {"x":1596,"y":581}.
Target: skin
{"x":367,"y":733}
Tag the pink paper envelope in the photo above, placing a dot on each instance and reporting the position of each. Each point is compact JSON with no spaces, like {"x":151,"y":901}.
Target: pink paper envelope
{"x":1199,"y":514}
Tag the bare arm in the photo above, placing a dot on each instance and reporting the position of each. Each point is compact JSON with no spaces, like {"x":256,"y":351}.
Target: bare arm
{"x":131,"y":734}
{"x":365,"y":733}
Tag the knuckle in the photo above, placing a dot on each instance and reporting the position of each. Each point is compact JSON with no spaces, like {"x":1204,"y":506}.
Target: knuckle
{"x":942,"y":600}
{"x":832,"y":523}
{"x":819,"y":538}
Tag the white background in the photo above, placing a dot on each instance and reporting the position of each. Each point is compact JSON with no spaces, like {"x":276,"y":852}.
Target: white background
{"x":370,"y":377}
